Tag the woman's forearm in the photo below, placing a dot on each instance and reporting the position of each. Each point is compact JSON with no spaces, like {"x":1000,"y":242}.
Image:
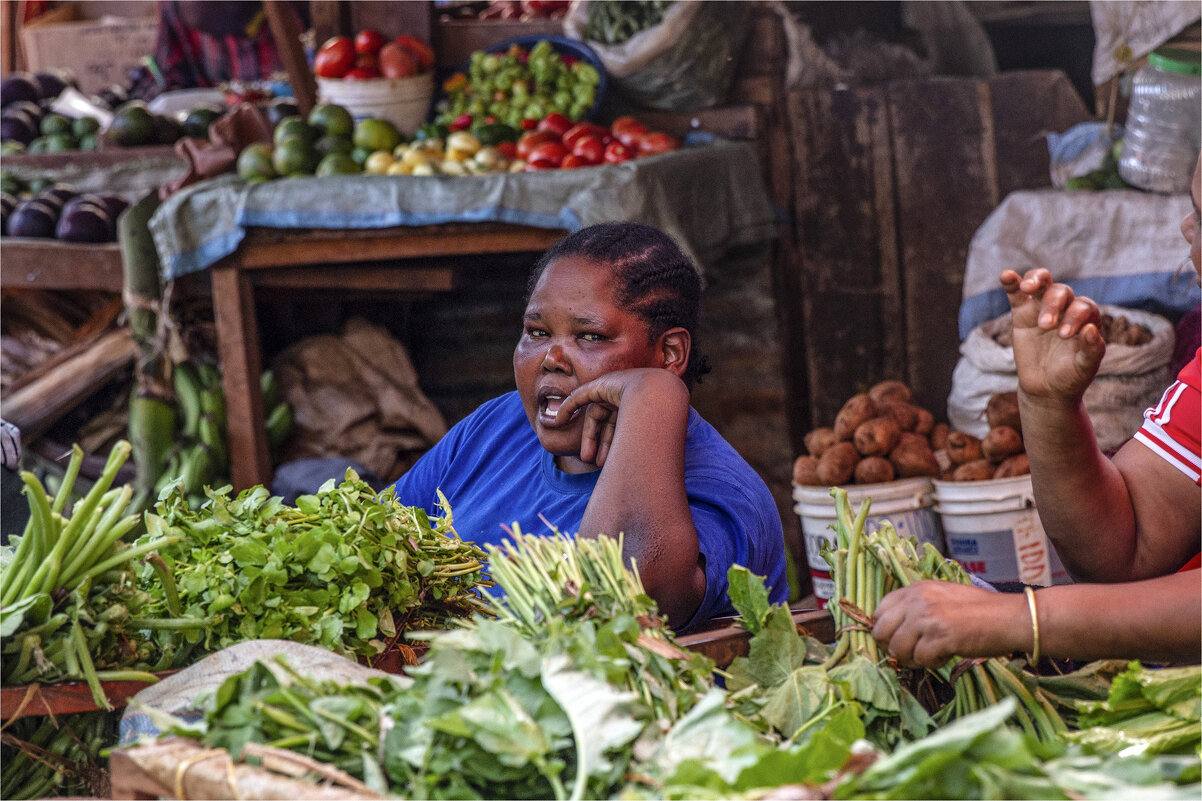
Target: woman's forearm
{"x":641,"y":493}
{"x":1080,"y":494}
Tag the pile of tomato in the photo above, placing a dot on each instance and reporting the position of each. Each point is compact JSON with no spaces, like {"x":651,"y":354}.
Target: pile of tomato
{"x":557,"y":143}
{"x":369,"y":55}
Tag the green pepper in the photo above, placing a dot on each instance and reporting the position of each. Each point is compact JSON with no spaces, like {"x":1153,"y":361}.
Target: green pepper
{"x":494,"y":133}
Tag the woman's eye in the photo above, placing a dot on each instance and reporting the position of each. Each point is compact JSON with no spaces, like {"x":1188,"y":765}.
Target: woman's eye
{"x":592,"y":337}
{"x":535,"y":333}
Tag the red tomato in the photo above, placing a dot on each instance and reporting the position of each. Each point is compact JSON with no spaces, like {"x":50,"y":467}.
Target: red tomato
{"x":508,"y":149}
{"x":581,"y":128}
{"x":556,"y":123}
{"x":461,"y":123}
{"x":553,"y":152}
{"x":361,"y":74}
{"x":334,"y":58}
{"x":425,"y":56}
{"x":572,"y":161}
{"x":616,"y":153}
{"x":529,"y":124}
{"x":657,"y":142}
{"x":590,"y":148}
{"x":369,"y":41}
{"x":533,"y":139}
{"x":531,"y":166}
{"x":628,"y":131}
{"x":396,"y":61}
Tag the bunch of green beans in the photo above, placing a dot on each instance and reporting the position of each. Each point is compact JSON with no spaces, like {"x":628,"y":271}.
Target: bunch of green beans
{"x":68,"y":599}
{"x":865,"y":566}
{"x":47,"y":756}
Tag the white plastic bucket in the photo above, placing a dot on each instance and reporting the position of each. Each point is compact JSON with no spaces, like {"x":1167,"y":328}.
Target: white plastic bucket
{"x":993,"y":529}
{"x":405,"y":102}
{"x":907,"y":503}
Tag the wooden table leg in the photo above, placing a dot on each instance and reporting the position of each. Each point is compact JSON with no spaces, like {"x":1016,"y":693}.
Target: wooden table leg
{"x":241,"y":366}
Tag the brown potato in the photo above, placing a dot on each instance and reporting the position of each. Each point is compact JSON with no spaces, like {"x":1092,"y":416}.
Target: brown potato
{"x":976,"y":470}
{"x":805,"y":471}
{"x":889,"y":391}
{"x":874,"y":470}
{"x":837,"y":465}
{"x":1000,"y":444}
{"x":938,"y":436}
{"x":1016,"y":465}
{"x":913,"y":458}
{"x":904,"y":414}
{"x":857,"y":409}
{"x":818,"y":440}
{"x":876,"y":437}
{"x":926,"y":421}
{"x":963,"y":447}
{"x":910,"y":436}
{"x":1002,"y":410}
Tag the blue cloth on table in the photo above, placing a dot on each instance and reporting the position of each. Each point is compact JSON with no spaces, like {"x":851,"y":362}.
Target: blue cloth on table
{"x":710,"y":197}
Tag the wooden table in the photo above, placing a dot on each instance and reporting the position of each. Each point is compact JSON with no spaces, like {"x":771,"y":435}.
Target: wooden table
{"x":50,"y":264}
{"x":396,"y":259}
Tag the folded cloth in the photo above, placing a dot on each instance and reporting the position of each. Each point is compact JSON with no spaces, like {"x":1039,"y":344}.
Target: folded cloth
{"x":243,"y":125}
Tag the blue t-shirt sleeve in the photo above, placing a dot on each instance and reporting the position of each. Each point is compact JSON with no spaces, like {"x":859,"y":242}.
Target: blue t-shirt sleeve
{"x":737,"y":532}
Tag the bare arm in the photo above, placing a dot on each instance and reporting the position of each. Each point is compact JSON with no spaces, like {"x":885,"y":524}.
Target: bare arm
{"x":635,"y":430}
{"x":1131,"y":518}
{"x":1157,"y":620}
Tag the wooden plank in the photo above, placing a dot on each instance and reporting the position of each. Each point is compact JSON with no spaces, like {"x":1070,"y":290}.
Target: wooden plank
{"x":393,"y":19}
{"x":65,"y":697}
{"x":241,"y":366}
{"x":90,"y":158}
{"x":358,"y":278}
{"x":841,"y":179}
{"x":49,"y":264}
{"x":1027,"y":104}
{"x":35,"y":406}
{"x":723,"y":640}
{"x":946,"y":185}
{"x":268,"y":247}
{"x":287,"y":43}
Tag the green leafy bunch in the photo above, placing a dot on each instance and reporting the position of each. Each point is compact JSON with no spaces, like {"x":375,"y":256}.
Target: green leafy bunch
{"x":1157,"y":710}
{"x":346,"y":569}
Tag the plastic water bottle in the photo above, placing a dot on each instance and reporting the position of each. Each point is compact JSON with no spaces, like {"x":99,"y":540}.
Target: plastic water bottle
{"x":1164,"y":122}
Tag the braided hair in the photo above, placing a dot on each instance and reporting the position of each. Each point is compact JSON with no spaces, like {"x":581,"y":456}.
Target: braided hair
{"x":655,"y":279}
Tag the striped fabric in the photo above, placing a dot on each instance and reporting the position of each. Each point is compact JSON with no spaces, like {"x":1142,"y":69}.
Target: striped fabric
{"x":1171,"y":428}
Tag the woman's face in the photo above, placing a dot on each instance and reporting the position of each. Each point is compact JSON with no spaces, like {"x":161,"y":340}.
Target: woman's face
{"x":1191,"y":228}
{"x":573,"y":332}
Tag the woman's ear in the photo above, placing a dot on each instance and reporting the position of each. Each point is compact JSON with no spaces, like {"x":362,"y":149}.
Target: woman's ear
{"x":674,"y":347}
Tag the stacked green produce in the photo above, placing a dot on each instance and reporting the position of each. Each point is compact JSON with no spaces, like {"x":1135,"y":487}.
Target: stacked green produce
{"x":576,"y":690}
{"x":70,"y":610}
{"x":519,"y":84}
{"x":346,"y":569}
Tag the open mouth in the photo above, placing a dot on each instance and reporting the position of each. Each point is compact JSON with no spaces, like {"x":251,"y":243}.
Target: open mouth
{"x":548,"y":405}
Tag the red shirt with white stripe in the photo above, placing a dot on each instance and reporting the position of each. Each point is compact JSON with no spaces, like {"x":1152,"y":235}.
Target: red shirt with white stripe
{"x":1173,"y":428}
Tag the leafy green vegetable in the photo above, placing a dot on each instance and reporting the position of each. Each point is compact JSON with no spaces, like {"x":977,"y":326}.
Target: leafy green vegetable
{"x":1156,"y":711}
{"x":345,"y":569}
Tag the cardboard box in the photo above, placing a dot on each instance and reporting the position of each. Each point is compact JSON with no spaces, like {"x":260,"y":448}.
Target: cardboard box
{"x":98,"y":51}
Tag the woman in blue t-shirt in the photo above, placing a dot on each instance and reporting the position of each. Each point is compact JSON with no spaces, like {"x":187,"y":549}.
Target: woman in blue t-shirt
{"x":600,"y":438}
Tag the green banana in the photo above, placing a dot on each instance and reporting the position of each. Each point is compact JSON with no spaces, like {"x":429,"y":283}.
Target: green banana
{"x":209,"y":377}
{"x":278,"y":425}
{"x":213,"y":438}
{"x":271,"y":389}
{"x":151,"y":435}
{"x":212,"y":403}
{"x":196,"y":468}
{"x":186,"y":382}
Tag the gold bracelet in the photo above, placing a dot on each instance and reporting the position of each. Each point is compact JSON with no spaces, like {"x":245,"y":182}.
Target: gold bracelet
{"x":1033,"y":659}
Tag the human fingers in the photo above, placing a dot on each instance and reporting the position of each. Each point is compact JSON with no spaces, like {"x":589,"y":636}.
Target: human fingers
{"x":1079,"y":313}
{"x":1024,"y":291}
{"x":605,"y":439}
{"x":1053,"y":303}
{"x":894,"y":629}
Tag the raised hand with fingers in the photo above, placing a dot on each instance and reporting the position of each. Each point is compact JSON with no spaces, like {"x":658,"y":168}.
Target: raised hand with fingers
{"x":1057,"y":345}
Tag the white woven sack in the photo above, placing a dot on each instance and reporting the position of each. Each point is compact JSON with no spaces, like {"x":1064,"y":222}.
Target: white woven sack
{"x":1129,"y":380}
